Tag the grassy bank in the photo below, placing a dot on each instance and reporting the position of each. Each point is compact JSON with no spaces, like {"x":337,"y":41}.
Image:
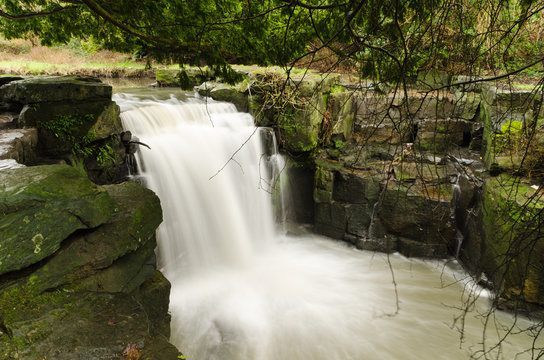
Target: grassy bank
{"x":22,"y":57}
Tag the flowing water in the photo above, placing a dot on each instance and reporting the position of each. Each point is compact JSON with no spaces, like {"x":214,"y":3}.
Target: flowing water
{"x":243,"y":290}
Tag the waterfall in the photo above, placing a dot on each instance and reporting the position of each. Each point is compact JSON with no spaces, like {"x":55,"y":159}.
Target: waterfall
{"x":242,"y":290}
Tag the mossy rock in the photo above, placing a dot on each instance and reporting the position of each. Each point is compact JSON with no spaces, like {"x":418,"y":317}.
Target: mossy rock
{"x":356,"y":187}
{"x":41,"y":89}
{"x":231,"y":95}
{"x":191,"y":77}
{"x":467,"y":104}
{"x":64,"y":126}
{"x":310,"y":85}
{"x":513,"y":257}
{"x":382,"y":133}
{"x":342,"y":114}
{"x":41,"y":206}
{"x":117,"y":256}
{"x":441,"y":135}
{"x":323,"y":185}
{"x":79,"y":325}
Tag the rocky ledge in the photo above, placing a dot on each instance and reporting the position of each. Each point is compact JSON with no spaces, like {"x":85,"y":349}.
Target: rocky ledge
{"x":78,"y":277}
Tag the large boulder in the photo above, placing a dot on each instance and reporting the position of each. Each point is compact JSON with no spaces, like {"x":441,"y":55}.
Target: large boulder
{"x":115,"y":257}
{"x":41,"y":206}
{"x":98,"y":293}
{"x":76,"y":122}
{"x":41,"y":89}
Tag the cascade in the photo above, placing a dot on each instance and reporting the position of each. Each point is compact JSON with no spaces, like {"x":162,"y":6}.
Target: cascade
{"x":241,"y":289}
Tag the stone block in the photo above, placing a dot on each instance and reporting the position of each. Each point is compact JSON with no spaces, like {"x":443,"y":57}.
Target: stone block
{"x":41,"y":89}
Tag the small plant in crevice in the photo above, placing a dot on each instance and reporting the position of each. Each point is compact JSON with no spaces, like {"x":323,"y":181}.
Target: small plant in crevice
{"x":70,"y":131}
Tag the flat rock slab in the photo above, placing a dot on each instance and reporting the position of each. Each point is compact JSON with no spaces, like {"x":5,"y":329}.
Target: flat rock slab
{"x":54,"y":89}
{"x":41,"y":206}
{"x":9,"y":164}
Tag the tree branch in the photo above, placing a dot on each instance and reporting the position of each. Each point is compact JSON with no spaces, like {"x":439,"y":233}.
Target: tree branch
{"x":499,"y":77}
{"x":31,"y":15}
{"x":314,"y":7}
{"x":100,"y":11}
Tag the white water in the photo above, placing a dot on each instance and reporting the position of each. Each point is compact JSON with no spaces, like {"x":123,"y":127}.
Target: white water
{"x":242,"y":291}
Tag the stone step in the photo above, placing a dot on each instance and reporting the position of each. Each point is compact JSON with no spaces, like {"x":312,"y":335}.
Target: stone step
{"x":17,"y":146}
{"x":8,"y":120}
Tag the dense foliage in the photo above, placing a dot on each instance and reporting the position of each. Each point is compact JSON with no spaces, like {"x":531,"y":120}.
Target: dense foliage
{"x":389,"y":40}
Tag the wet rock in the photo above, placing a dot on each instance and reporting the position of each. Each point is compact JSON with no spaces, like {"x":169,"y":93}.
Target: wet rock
{"x":424,"y":217}
{"x":330,"y":219}
{"x":412,"y":248}
{"x":19,"y":145}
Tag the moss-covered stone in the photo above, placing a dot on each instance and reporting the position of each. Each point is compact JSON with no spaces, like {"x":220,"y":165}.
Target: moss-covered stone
{"x":154,"y":294}
{"x":42,"y":89}
{"x":301,"y":127}
{"x":440,"y":135}
{"x":323,"y":185}
{"x":79,"y":325}
{"x":41,"y":206}
{"x":116,"y":256}
{"x":65,"y":126}
{"x":467,"y":104}
{"x":340,"y":106}
{"x":513,"y":257}
{"x":231,"y":95}
{"x":186,"y":78}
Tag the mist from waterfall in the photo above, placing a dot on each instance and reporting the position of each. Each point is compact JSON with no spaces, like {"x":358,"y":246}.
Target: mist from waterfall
{"x":243,"y":290}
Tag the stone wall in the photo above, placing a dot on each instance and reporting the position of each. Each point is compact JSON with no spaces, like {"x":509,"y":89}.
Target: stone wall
{"x":415,"y":171}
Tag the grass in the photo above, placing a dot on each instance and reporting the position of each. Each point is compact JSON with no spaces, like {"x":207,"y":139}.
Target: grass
{"x":23,"y":57}
{"x":47,"y":68}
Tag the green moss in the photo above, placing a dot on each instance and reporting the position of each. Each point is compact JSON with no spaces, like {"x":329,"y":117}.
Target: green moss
{"x":512,"y":218}
{"x":22,"y":302}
